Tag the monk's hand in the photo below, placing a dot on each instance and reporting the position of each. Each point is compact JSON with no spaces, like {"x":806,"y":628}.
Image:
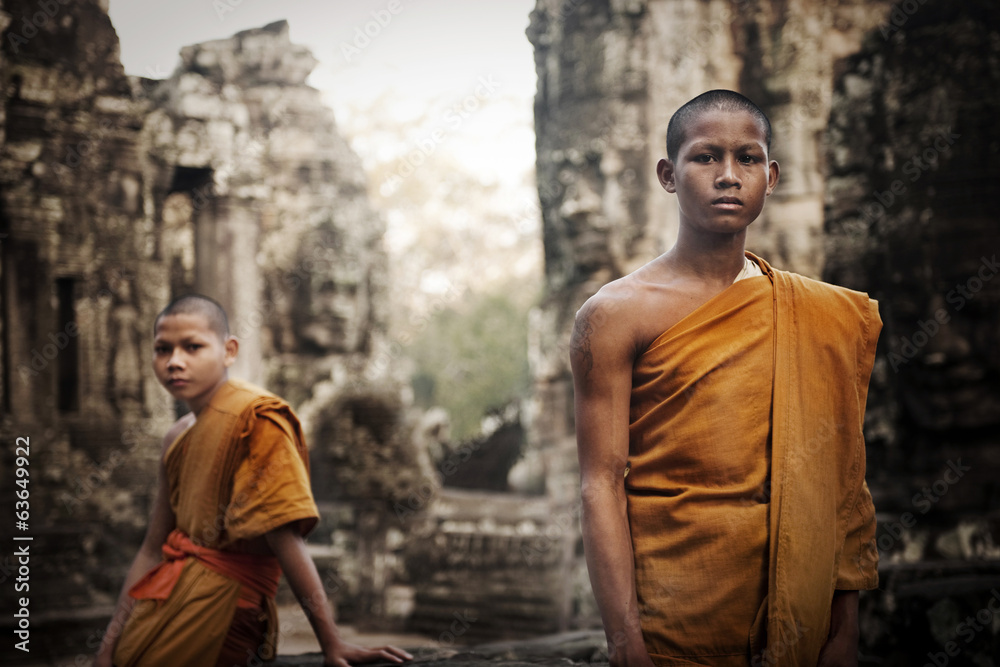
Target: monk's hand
{"x":840,"y":650}
{"x":629,"y":654}
{"x":640,"y":659}
{"x":344,"y":655}
{"x":105,"y":654}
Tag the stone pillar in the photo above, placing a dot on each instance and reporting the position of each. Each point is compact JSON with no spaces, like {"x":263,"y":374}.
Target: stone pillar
{"x":227,"y":261}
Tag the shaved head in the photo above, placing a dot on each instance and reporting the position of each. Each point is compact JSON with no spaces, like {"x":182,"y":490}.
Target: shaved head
{"x":197,"y":304}
{"x":718,"y":100}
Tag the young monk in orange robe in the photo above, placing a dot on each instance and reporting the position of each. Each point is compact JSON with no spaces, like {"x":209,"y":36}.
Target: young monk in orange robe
{"x":230,"y":514}
{"x":719,"y":410}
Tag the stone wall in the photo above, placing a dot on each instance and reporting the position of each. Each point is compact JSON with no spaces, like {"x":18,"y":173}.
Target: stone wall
{"x":858,"y":93}
{"x":79,"y":284}
{"x":244,"y":159}
{"x":912,"y":154}
{"x":117,"y":194}
{"x":503,"y":562}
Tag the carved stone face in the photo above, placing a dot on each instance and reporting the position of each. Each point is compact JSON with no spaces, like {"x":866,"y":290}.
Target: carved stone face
{"x":332,"y":312}
{"x":331,"y":296}
{"x":586,"y":229}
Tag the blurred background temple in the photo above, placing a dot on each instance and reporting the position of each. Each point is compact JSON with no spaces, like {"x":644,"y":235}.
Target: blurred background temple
{"x":230,"y":177}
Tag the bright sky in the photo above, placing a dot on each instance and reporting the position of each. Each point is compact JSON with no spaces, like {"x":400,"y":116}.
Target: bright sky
{"x":428,"y":55}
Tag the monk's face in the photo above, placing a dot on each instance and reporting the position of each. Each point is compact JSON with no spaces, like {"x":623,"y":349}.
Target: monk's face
{"x":191,"y":359}
{"x":722,"y":173}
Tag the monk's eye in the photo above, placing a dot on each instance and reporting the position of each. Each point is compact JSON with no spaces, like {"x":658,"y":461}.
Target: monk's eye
{"x":160,"y":349}
{"x":749,"y":159}
{"x":194,"y":347}
{"x":704,"y":158}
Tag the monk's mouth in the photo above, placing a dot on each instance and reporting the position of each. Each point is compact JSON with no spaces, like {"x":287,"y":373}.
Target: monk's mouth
{"x":727,"y":202}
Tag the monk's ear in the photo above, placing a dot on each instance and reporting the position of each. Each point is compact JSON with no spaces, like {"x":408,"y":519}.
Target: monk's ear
{"x":232,"y":349}
{"x":665,"y":174}
{"x":772,"y":176}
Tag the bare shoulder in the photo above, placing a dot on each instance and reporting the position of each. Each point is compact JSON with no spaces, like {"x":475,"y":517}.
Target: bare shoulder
{"x":176,"y":429}
{"x":613,"y":319}
{"x":629,"y":313}
{"x":610,"y":307}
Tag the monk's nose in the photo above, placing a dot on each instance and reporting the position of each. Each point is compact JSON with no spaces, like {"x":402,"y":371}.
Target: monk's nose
{"x":728,"y":176}
{"x":175,"y":361}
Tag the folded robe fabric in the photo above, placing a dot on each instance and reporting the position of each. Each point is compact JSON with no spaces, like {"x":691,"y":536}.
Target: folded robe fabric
{"x":746,"y":497}
{"x":184,"y":633}
{"x":822,"y":521}
{"x":239,"y":471}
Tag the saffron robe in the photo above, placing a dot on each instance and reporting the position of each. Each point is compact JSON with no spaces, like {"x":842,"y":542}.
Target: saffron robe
{"x":747,"y":503}
{"x":241,"y":470}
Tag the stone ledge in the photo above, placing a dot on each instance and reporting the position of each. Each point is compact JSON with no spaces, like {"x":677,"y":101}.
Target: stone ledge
{"x":572,"y":648}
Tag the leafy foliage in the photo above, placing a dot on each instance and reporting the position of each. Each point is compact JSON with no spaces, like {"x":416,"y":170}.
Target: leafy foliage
{"x":470,"y":358}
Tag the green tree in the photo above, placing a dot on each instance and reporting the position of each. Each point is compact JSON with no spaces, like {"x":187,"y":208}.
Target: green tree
{"x":472,"y":357}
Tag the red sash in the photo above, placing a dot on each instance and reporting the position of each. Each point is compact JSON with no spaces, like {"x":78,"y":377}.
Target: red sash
{"x":259,"y":574}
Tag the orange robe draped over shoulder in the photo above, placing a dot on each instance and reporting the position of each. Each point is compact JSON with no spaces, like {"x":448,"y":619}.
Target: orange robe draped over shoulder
{"x":241,"y":470}
{"x":747,"y":502}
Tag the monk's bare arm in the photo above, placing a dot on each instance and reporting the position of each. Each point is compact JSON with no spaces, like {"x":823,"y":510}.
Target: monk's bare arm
{"x":287,"y":544}
{"x":161,"y":522}
{"x":841,"y":648}
{"x":602,"y":352}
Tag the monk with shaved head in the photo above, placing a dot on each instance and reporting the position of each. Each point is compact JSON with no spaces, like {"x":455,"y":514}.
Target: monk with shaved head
{"x":230,"y":515}
{"x":719,"y":411}
{"x":197,"y":304}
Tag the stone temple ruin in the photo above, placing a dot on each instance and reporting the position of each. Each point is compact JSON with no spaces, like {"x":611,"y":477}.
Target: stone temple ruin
{"x":119,"y":194}
{"x":883,"y":118}
{"x":229,"y":177}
